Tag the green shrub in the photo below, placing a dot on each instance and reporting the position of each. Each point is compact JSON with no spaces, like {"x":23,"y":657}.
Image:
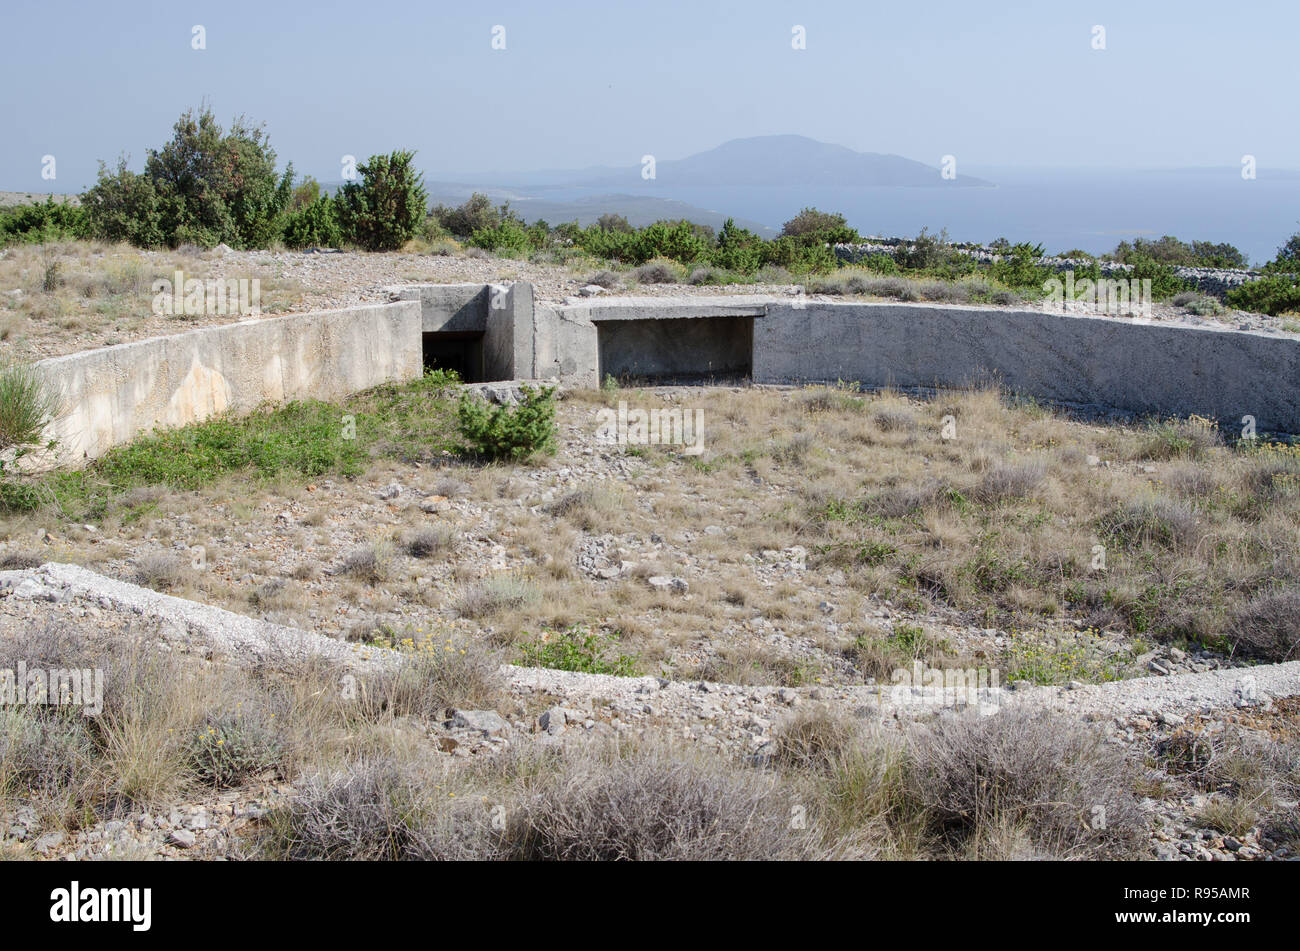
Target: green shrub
{"x":507,"y":235}
{"x":609,"y":244}
{"x":1169,"y":250}
{"x":798,"y":257}
{"x":388,"y":207}
{"x":1273,"y":294}
{"x":313,"y":225}
{"x":1019,"y":267}
{"x":811,"y":226}
{"x":614,"y":222}
{"x":43,"y":223}
{"x":29,"y":402}
{"x":880,"y":263}
{"x":475,"y":214}
{"x":123,"y":206}
{"x":738,"y":249}
{"x":678,"y":240}
{"x":215,"y":186}
{"x":504,"y":432}
{"x":581,"y":650}
{"x":935,"y":254}
{"x":1164,"y":283}
{"x":1288,"y":257}
{"x":206,"y":186}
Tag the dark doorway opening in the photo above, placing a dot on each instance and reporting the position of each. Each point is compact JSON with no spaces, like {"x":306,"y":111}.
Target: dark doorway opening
{"x":461,"y":351}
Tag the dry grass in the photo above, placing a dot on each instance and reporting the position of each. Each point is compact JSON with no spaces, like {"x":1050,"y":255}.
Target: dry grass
{"x":999,"y":526}
{"x":173,"y":726}
{"x":1007,"y":786}
{"x":595,"y":803}
{"x":77,"y":295}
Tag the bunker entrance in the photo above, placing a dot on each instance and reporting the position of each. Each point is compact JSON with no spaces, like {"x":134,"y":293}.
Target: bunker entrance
{"x":676,"y":350}
{"x":461,"y":351}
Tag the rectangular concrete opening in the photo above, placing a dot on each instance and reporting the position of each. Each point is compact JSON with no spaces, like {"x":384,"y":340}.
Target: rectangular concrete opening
{"x":676,"y":350}
{"x":461,"y":351}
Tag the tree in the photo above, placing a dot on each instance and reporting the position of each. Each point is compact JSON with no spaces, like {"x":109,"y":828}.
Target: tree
{"x":612,"y":221}
{"x":216,"y":186}
{"x":1288,"y":256}
{"x":123,"y":206}
{"x":386,"y":209}
{"x":811,"y":226}
{"x":476,"y":213}
{"x":738,"y":249}
{"x":204,"y":187}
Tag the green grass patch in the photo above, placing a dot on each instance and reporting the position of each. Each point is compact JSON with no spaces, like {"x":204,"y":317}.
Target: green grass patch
{"x":579,"y":649}
{"x":303,"y":439}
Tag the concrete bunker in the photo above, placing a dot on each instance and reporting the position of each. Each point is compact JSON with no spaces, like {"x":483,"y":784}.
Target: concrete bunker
{"x":494,"y":332}
{"x":676,"y":349}
{"x":481,"y":331}
{"x":459,"y":351}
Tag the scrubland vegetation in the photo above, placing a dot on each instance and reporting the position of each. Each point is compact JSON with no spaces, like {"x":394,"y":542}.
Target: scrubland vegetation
{"x":188,"y":197}
{"x":1002,"y":523}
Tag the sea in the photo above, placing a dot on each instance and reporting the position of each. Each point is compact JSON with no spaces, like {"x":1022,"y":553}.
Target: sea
{"x":1062,"y":209}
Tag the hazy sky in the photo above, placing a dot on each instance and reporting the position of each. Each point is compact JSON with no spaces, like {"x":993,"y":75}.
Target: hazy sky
{"x":1012,"y":82}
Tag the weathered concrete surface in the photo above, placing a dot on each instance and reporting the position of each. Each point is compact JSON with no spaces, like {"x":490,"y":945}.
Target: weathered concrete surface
{"x":117,"y":393}
{"x":568,"y":345}
{"x":242,"y":639}
{"x":114,"y":394}
{"x":1093,"y":361}
{"x":565,"y":346}
{"x":680,"y":347}
{"x":455,"y":308}
{"x":667,"y":308}
{"x":508,"y":340}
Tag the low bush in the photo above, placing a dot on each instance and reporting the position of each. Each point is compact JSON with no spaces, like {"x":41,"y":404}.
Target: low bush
{"x":29,"y":402}
{"x":579,"y":649}
{"x":1050,"y":779}
{"x":509,"y":432}
{"x":494,"y":595}
{"x":1273,"y":294}
{"x":44,"y":222}
{"x":657,"y":272}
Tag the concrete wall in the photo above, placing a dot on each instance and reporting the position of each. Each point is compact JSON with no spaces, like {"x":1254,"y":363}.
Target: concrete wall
{"x":508,"y":341}
{"x":1105,"y":363}
{"x":676,"y":348}
{"x":114,"y":394}
{"x":117,"y":393}
{"x":503,"y":313}
{"x":1093,"y":361}
{"x":458,"y":308}
{"x":567,"y":342}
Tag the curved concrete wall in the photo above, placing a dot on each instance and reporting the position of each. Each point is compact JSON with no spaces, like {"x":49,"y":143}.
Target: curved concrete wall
{"x":117,"y":393}
{"x":1118,"y":364}
{"x":114,"y":394}
{"x":1101,"y":362}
